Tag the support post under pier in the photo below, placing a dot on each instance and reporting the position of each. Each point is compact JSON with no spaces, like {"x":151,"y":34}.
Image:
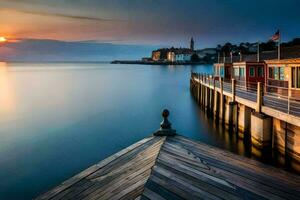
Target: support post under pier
{"x":233,"y":116}
{"x":244,"y":119}
{"x":261,"y":130}
{"x":221,"y":107}
{"x":216,"y":104}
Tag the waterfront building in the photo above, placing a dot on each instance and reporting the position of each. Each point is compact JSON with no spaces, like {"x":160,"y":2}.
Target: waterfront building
{"x":223,"y":70}
{"x":249,"y":73}
{"x":180,"y":55}
{"x":283,"y":76}
{"x":174,"y":54}
{"x":156,"y":55}
{"x":160,"y":54}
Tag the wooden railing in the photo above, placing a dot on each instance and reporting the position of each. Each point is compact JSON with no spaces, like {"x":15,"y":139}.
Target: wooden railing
{"x":277,"y":98}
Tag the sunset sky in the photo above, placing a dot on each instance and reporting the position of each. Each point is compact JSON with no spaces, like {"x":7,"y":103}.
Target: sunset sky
{"x":149,"y":22}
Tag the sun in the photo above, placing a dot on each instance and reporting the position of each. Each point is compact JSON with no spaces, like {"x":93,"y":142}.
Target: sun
{"x":3,"y":39}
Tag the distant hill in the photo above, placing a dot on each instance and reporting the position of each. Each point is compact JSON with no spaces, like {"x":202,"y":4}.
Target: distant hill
{"x":54,"y":50}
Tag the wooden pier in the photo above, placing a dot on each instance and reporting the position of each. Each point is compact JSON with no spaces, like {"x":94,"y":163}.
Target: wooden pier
{"x":250,"y":111}
{"x":169,"y":166}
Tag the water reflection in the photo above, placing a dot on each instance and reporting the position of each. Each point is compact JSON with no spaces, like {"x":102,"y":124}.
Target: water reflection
{"x":7,"y":91}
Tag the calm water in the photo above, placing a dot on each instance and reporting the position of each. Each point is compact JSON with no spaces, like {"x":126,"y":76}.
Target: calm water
{"x":58,"y":119}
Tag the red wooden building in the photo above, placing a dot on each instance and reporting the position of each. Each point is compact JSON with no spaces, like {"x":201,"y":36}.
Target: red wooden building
{"x":249,"y":73}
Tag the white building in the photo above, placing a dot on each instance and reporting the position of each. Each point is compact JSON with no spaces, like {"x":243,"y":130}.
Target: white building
{"x":180,"y":55}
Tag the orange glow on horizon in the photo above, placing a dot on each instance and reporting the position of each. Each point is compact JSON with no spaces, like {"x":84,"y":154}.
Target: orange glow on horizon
{"x":3,"y":39}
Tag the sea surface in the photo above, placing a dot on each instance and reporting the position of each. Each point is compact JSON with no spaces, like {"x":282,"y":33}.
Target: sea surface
{"x":57,"y":119}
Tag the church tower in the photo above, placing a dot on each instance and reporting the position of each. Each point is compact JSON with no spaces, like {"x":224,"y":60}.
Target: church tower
{"x":192,"y":45}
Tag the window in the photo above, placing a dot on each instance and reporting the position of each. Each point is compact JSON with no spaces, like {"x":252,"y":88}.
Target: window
{"x":276,"y":73}
{"x":271,"y":72}
{"x":236,"y":72}
{"x":281,"y":73}
{"x":242,"y":72}
{"x":222,"y":71}
{"x":295,"y":77}
{"x":260,"y":71}
{"x":217,"y":71}
{"x":252,"y":72}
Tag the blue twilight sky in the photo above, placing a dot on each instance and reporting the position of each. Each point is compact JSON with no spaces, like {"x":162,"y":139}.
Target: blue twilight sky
{"x":150,"y":22}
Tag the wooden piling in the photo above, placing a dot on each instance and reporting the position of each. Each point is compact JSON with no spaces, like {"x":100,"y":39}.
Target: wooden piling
{"x":198,"y":90}
{"x":222,"y":105}
{"x":259,"y":98}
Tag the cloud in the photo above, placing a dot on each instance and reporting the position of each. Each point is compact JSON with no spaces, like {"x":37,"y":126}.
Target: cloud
{"x":67,"y":16}
{"x":45,"y":9}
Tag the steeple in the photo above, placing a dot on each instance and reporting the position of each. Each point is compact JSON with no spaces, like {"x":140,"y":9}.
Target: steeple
{"x":192,"y":44}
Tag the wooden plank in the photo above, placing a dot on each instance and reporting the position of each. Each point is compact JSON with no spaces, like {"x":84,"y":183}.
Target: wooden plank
{"x":143,"y":198}
{"x":152,"y":195}
{"x":84,"y":186}
{"x":183,"y":189}
{"x":242,"y":171}
{"x":201,"y":175}
{"x":160,"y":190}
{"x":126,"y":193}
{"x":104,"y":178}
{"x":279,"y":188}
{"x":238,"y":161}
{"x":214,"y":179}
{"x":127,"y":157}
{"x":204,"y":184}
{"x":217,"y":151}
{"x":91,"y":169}
{"x":138,"y":198}
{"x":148,"y":152}
{"x":102,"y":184}
{"x":242,"y":160}
{"x":123,"y":180}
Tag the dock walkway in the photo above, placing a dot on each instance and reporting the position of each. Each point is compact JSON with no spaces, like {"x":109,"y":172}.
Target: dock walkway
{"x":175,"y":167}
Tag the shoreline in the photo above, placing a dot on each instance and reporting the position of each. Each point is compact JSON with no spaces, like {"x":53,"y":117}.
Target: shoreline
{"x":139,"y":62}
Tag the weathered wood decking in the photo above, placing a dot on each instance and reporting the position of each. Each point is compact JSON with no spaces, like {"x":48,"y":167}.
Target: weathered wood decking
{"x":173,"y":168}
